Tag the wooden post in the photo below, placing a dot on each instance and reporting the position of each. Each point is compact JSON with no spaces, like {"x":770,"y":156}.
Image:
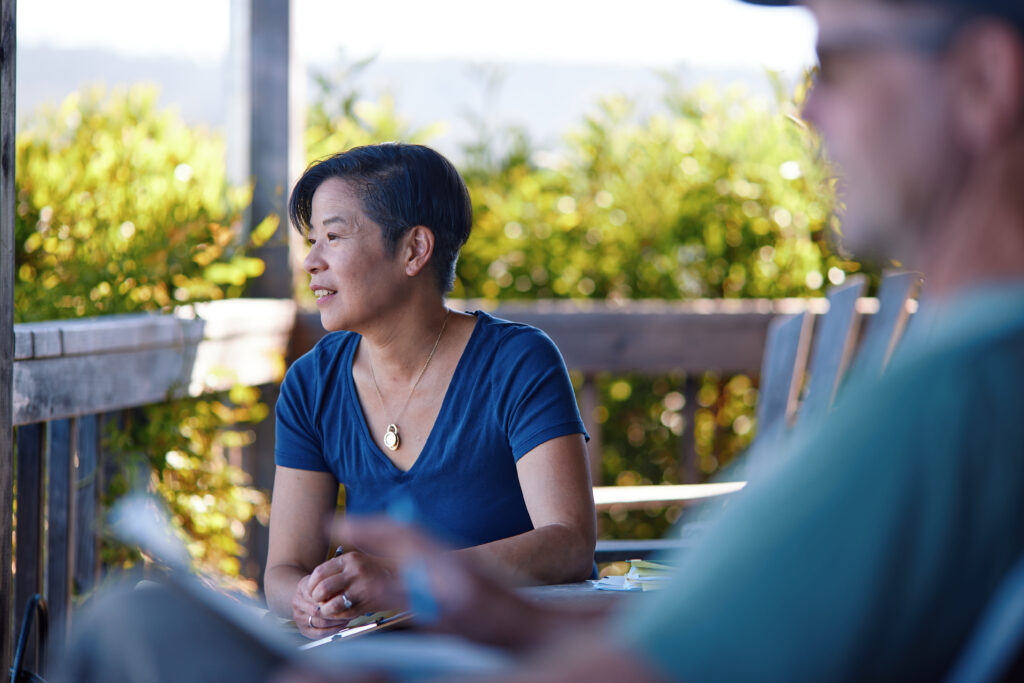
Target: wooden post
{"x":258,"y":463}
{"x":590,"y":401}
{"x":30,"y":521}
{"x":273,"y":153}
{"x":269,"y":137}
{"x":7,"y":119}
{"x":689,"y":471}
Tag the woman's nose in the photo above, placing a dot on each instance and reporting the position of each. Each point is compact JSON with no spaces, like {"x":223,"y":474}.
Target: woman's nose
{"x":312,"y":264}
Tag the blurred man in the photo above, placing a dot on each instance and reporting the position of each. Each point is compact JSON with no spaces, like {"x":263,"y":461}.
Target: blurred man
{"x":872,"y":551}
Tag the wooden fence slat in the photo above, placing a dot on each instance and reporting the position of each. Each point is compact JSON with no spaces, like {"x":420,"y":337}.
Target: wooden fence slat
{"x":60,"y":524}
{"x":689,"y":471}
{"x":258,"y":462}
{"x":86,"y":503}
{"x":589,"y":403}
{"x":29,"y":579}
{"x":8,"y":54}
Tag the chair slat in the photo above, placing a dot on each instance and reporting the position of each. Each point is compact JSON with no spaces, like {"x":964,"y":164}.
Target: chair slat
{"x":886,"y":326}
{"x":782,"y":369}
{"x":833,"y":346}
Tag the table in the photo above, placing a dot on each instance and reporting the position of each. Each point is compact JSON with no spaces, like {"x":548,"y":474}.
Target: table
{"x":580,"y":593}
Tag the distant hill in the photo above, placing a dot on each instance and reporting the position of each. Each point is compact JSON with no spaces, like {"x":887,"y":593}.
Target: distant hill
{"x":47,"y":75}
{"x":545,"y":99}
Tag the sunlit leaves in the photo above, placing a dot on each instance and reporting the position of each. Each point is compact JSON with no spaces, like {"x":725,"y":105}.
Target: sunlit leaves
{"x":678,"y":204}
{"x":121,"y":207}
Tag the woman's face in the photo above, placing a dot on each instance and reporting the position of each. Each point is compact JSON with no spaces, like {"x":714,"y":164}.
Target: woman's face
{"x":351,"y":275}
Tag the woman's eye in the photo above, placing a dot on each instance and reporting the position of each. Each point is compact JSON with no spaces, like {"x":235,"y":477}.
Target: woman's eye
{"x":331,"y":237}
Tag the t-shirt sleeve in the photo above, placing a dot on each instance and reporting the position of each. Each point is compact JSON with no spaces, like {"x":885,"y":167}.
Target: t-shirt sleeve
{"x":542,"y":405}
{"x":297,"y":442}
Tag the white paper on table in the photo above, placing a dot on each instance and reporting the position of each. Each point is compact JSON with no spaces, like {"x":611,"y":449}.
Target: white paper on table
{"x":614,"y":583}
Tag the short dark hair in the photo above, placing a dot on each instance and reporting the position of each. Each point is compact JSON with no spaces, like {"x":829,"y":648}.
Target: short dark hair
{"x":1010,"y":11}
{"x":400,"y":186}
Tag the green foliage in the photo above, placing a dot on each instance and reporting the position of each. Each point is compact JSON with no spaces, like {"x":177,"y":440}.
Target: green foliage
{"x":338,"y":119}
{"x":183,"y":450}
{"x":123,"y":208}
{"x":645,"y":435}
{"x":714,"y":197}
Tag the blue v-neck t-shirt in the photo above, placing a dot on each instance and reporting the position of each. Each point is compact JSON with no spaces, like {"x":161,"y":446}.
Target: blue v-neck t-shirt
{"x":509,"y":394}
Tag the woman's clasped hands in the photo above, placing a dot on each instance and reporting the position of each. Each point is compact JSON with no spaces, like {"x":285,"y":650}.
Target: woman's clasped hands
{"x":344,"y":587}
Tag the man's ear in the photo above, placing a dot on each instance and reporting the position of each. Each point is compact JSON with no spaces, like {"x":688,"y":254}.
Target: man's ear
{"x":989,"y":84}
{"x":417,"y":248}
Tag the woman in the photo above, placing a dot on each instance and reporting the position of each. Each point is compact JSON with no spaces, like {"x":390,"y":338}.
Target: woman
{"x":470,"y":418}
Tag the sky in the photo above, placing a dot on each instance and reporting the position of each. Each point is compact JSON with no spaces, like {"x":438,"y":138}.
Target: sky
{"x":715,"y":33}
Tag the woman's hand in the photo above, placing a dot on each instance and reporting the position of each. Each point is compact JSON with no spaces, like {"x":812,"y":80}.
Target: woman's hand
{"x":465,"y":600}
{"x":343,"y":588}
{"x":307,"y":613}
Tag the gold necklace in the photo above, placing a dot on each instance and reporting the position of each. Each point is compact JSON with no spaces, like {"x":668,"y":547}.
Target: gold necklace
{"x":391,"y":439}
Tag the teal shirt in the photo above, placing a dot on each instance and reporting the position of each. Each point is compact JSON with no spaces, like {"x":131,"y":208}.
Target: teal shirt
{"x":871,"y":551}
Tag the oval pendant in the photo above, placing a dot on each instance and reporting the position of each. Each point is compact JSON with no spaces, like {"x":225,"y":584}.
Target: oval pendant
{"x":391,"y":437}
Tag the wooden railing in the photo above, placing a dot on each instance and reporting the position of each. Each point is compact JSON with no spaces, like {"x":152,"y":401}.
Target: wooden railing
{"x":648,"y":337}
{"x":70,"y":375}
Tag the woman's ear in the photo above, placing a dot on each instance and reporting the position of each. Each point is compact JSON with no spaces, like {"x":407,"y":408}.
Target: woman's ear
{"x":417,"y":248}
{"x":989,"y":94}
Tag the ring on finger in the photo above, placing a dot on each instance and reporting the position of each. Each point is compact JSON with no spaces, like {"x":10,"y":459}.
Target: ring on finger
{"x":346,"y":601}
{"x":310,"y":621}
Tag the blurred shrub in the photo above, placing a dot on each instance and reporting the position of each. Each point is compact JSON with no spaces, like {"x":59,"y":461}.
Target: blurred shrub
{"x":189,"y":451}
{"x":339,"y":118}
{"x":719,"y":195}
{"x":122,"y":208}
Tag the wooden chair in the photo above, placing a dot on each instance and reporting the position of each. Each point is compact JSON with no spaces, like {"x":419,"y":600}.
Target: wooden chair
{"x":781,"y":371}
{"x":833,"y":347}
{"x":779,"y":409}
{"x":887,"y":325}
{"x":834,"y":339}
